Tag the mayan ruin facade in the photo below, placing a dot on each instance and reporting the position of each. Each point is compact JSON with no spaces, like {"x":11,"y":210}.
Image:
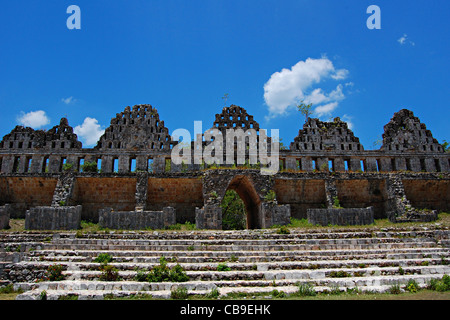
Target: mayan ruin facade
{"x":133,"y":177}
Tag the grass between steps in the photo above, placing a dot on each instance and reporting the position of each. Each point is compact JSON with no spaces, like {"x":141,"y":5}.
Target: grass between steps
{"x":424,"y":294}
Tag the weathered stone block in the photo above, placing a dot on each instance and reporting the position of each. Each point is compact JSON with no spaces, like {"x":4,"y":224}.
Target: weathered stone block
{"x":53,"y":218}
{"x":135,"y":220}
{"x":291,"y":163}
{"x":274,"y":214}
{"x":4,"y":216}
{"x":341,"y":217}
{"x":209,"y":217}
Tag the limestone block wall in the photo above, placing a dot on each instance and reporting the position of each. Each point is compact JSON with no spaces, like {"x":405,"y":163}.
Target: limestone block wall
{"x":360,"y":190}
{"x":187,"y":191}
{"x":300,"y":194}
{"x":24,"y":192}
{"x":135,"y":220}
{"x":53,"y":218}
{"x":96,"y":193}
{"x":341,"y":217}
{"x":182,"y":193}
{"x":362,"y":193}
{"x":427,"y":193}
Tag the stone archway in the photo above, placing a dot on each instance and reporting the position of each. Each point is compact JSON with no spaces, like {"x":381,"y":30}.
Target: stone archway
{"x":246,"y":191}
{"x":251,"y":187}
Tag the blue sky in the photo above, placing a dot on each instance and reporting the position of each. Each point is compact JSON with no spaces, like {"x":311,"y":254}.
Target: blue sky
{"x":182,"y":57}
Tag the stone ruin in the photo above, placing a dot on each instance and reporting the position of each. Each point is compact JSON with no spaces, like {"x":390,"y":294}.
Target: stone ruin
{"x":136,"y":129}
{"x":134,"y":178}
{"x":326,"y":136}
{"x":405,"y":132}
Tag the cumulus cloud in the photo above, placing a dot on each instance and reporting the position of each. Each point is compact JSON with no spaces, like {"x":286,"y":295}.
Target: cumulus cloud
{"x":340,"y":74}
{"x":317,"y":96}
{"x":325,"y":109}
{"x":89,"y":132}
{"x":33,"y":119}
{"x":288,"y":87}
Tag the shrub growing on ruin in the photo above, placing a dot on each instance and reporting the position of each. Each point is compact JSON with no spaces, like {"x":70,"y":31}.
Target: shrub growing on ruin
{"x":103,"y":258}
{"x":162,"y":273}
{"x":223,"y":267}
{"x":89,"y":167}
{"x":233,"y":212}
{"x":109,"y":273}
{"x":54,"y":273}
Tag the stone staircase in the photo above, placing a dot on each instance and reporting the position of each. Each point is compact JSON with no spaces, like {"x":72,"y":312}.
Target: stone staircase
{"x":258,"y":261}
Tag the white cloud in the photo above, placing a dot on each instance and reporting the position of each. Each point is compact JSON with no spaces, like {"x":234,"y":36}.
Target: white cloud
{"x":336,"y":94}
{"x":288,"y":87}
{"x":325,"y":109}
{"x":348,"y":119}
{"x":317,"y":96}
{"x":89,"y":132}
{"x":68,"y":100}
{"x":340,"y":74}
{"x":34,"y":119}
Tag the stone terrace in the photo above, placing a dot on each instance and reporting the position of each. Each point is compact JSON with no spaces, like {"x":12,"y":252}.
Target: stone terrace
{"x":260,"y":260}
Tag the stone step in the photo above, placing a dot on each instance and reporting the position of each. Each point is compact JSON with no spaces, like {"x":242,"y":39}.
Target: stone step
{"x":123,"y":255}
{"x":375,"y":243}
{"x":91,"y":290}
{"x":207,"y":272}
{"x":279,"y":265}
{"x":236,"y":242}
{"x":270,"y":234}
{"x":260,"y":260}
{"x":277,"y":274}
{"x":27,"y":271}
{"x":245,"y":259}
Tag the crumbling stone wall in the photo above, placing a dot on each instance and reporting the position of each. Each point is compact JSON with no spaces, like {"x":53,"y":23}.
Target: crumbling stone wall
{"x":137,"y":140}
{"x":137,"y":128}
{"x":318,"y":135}
{"x":234,"y":117}
{"x":62,"y":195}
{"x":58,"y":137}
{"x":135,"y":173}
{"x":405,"y":132}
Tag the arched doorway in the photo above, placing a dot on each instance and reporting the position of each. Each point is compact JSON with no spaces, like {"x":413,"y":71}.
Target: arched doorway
{"x":244,"y":188}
